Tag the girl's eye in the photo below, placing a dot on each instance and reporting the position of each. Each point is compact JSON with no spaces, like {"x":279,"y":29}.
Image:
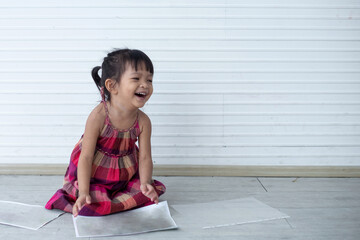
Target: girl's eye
{"x":136,"y":79}
{"x":150,"y":80}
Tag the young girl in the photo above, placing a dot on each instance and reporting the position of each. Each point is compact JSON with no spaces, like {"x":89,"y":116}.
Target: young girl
{"x":108,"y":173}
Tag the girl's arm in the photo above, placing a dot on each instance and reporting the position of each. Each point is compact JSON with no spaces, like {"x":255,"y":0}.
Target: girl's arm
{"x":92,"y":132}
{"x":145,"y":160}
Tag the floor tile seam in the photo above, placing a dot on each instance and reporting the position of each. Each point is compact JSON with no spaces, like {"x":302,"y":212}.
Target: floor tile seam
{"x":262,"y":185}
{"x":306,"y":191}
{"x":291,"y":226}
{"x":312,"y":208}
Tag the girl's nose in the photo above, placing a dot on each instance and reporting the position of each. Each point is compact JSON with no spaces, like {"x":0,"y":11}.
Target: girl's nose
{"x":143,"y":85}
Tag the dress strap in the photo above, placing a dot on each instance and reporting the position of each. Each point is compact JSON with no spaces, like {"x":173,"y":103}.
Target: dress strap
{"x":103,"y":100}
{"x":106,"y":108}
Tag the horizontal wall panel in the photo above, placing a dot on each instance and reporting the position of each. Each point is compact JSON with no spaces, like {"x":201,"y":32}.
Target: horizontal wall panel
{"x":251,"y":108}
{"x":245,"y":51}
{"x":193,"y":117}
{"x":350,"y":65}
{"x":255,"y":22}
{"x":160,"y":10}
{"x":252,"y":45}
{"x":7,"y":129}
{"x":216,"y":151}
{"x":246,"y":74}
{"x":215,"y":160}
{"x":181,"y":34}
{"x":93,"y":99}
{"x":195,"y":87}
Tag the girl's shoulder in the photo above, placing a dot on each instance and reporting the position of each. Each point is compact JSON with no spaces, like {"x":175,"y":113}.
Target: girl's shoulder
{"x":97,"y":117}
{"x":144,"y":121}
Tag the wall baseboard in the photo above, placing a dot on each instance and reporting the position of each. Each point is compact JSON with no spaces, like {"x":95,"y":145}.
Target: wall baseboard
{"x":203,"y":170}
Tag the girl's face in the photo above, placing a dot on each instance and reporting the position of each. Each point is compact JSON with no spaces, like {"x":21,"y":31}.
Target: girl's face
{"x":135,"y":87}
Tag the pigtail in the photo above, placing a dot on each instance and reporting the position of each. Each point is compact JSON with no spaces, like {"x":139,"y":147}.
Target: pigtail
{"x":96,"y":77}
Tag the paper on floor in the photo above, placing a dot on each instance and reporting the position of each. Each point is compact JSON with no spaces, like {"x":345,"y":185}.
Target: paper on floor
{"x":141,"y":220}
{"x":25,"y":215}
{"x":225,"y":213}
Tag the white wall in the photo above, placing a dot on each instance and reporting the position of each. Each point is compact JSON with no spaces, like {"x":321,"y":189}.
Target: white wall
{"x":236,"y":82}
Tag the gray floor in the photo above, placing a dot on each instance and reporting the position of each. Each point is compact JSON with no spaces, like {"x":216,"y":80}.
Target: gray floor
{"x":319,"y":208}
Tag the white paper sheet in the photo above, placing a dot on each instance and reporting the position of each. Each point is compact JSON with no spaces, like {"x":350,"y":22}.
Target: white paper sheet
{"x":216,"y":214}
{"x":141,"y":220}
{"x":25,"y":215}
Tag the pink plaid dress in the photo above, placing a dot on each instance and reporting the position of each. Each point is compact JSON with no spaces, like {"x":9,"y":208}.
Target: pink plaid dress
{"x":114,"y":183}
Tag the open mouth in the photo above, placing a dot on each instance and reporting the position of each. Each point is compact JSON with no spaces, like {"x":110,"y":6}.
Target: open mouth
{"x":141,"y":94}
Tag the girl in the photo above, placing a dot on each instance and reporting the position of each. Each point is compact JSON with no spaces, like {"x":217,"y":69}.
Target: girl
{"x":108,"y":173}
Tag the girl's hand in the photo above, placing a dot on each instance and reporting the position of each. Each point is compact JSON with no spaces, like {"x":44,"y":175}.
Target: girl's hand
{"x":80,"y":202}
{"x":149,"y":191}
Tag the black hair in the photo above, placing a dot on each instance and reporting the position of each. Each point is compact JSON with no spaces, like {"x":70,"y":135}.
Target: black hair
{"x":114,"y":65}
